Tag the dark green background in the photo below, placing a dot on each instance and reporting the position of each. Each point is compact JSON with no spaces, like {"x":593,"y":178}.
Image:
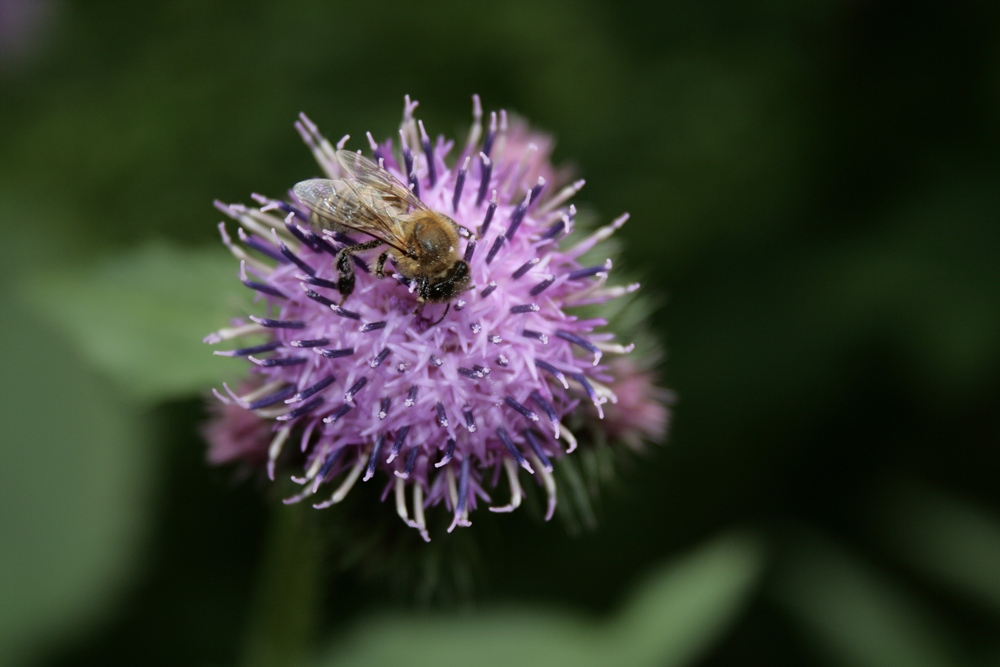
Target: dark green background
{"x":815,"y":203}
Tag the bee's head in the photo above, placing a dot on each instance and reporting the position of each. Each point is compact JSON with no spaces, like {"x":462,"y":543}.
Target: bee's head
{"x":455,"y":281}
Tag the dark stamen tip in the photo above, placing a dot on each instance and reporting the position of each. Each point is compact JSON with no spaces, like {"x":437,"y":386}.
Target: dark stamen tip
{"x":411,"y":396}
{"x":497,"y":244}
{"x":580,"y":274}
{"x":315,"y":296}
{"x":244,"y":351}
{"x":537,"y":448}
{"x":271,"y":399}
{"x":411,"y":462}
{"x":319,"y":282}
{"x":377,"y":361}
{"x":463,"y":491}
{"x":545,"y":406}
{"x":486,"y":172}
{"x":265,"y":289}
{"x":299,"y":411}
{"x":373,"y":459}
{"x":273,"y":363}
{"x":490,"y":210}
{"x":512,"y":448}
{"x":331,"y":460}
{"x":555,"y":372}
{"x":298,"y":232}
{"x":292,"y":257}
{"x":542,"y":286}
{"x":459,"y":185}
{"x":309,"y":343}
{"x":470,"y":420}
{"x":261,"y":246}
{"x":334,"y":354}
{"x":400,"y":439}
{"x":278,"y":324}
{"x":581,"y":342}
{"x":343,"y":312}
{"x":555,"y":230}
{"x":314,"y":389}
{"x":355,"y":388}
{"x":341,"y":411}
{"x":525,"y":412}
{"x":525,"y":268}
{"x":516,"y":218}
{"x":449,"y":453}
{"x":536,"y":335}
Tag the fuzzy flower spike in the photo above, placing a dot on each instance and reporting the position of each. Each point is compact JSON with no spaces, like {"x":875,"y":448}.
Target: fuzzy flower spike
{"x":433,"y":384}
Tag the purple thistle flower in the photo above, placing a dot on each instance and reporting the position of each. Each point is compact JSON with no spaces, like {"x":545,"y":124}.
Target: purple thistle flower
{"x":642,"y":412}
{"x":236,"y":434}
{"x":434,"y":401}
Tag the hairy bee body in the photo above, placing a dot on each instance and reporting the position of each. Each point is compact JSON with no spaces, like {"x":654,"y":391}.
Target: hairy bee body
{"x":432,"y":256}
{"x":423,"y":244}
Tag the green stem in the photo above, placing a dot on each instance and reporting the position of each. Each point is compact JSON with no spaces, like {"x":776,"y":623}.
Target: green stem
{"x":288,"y":591}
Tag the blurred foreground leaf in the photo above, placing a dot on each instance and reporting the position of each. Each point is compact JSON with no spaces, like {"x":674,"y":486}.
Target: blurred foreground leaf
{"x":72,"y":489}
{"x":951,"y":541}
{"x":140,"y":317}
{"x":674,"y":616}
{"x":856,"y":614}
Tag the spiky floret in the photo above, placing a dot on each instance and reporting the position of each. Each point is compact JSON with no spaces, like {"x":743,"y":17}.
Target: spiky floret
{"x":375,"y":386}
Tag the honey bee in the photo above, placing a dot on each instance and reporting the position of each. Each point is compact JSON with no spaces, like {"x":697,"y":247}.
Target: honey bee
{"x":370,"y":200}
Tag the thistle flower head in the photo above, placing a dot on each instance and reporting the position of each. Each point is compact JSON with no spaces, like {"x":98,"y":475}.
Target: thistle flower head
{"x":435,"y":401}
{"x":235,"y":434}
{"x":641,"y":413}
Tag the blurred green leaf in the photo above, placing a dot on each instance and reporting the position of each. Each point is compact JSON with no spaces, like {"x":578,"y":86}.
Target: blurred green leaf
{"x":854,"y":613}
{"x":949,"y":540}
{"x":676,"y":614}
{"x":140,"y":317}
{"x":73,"y":489}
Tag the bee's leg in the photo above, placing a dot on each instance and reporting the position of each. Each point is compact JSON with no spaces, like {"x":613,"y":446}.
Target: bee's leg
{"x":444,"y":315}
{"x":423,"y":289}
{"x":346,"y":283}
{"x":423,"y":292}
{"x":380,"y":265}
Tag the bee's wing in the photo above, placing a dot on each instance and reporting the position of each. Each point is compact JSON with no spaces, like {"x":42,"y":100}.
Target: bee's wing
{"x":373,"y":176}
{"x":352,"y":204}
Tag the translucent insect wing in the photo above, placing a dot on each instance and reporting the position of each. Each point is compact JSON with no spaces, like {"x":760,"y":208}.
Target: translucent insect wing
{"x":367,"y":173}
